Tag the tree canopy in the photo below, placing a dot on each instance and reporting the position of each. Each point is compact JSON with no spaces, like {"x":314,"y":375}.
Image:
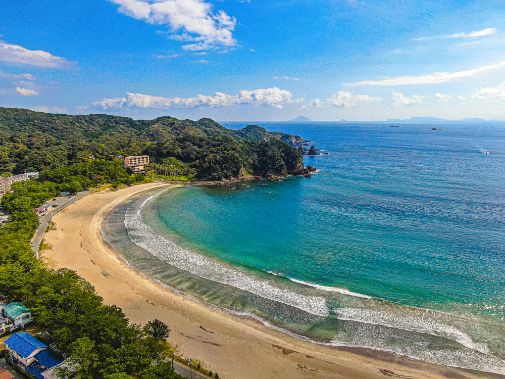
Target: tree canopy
{"x":33,"y":141}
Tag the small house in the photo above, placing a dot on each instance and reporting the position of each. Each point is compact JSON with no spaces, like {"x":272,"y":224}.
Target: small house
{"x":18,"y":314}
{"x":22,"y":348}
{"x":32,"y":355}
{"x":6,"y":325}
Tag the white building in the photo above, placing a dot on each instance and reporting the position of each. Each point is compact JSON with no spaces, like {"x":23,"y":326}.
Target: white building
{"x":17,"y":313}
{"x":6,"y":183}
{"x":136,"y":163}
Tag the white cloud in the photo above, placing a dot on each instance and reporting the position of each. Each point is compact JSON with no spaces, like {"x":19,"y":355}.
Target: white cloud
{"x":490,"y":93}
{"x":462,"y":35}
{"x":274,"y":97}
{"x":192,"y":21}
{"x":475,"y":34}
{"x":443,"y":97}
{"x":168,"y":56}
{"x":16,"y":54}
{"x":26,"y":91}
{"x":344,"y":99}
{"x":435,"y":78}
{"x":17,"y":77}
{"x":400,"y":99}
{"x":286,"y":78}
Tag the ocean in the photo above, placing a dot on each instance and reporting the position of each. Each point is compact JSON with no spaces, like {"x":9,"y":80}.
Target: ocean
{"x":397,"y":243}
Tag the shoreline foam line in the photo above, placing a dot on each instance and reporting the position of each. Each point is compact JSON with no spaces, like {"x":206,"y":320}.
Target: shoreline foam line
{"x":143,"y":236}
{"x":197,"y":264}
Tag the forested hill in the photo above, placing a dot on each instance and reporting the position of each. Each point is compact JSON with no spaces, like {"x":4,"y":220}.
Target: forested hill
{"x":34,"y":141}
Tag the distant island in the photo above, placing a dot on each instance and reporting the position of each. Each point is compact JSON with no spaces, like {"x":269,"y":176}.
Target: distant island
{"x":300,"y":119}
{"x":431,"y":120}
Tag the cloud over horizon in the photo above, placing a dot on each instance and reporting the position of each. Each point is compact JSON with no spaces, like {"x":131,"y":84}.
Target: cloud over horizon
{"x":491,"y":93}
{"x":400,"y":99}
{"x":274,"y":97}
{"x":486,"y":32}
{"x":26,"y":91}
{"x":344,"y":99}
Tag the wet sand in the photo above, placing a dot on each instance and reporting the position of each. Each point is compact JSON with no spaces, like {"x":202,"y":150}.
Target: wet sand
{"x":231,"y":346}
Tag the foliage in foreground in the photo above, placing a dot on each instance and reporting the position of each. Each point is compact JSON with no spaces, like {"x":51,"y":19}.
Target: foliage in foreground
{"x":97,"y":338}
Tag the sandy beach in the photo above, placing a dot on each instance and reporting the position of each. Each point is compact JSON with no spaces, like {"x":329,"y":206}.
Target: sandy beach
{"x":228,"y":345}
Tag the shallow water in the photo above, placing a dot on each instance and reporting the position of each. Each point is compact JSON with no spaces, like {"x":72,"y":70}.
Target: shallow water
{"x":397,"y":243}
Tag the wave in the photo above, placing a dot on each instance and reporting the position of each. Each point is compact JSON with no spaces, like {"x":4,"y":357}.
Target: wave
{"x":204,"y":267}
{"x":375,"y":318}
{"x":423,"y":321}
{"x":419,"y":320}
{"x":342,"y":291}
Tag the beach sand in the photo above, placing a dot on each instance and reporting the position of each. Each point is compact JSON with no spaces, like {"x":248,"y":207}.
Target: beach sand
{"x":229,"y":345}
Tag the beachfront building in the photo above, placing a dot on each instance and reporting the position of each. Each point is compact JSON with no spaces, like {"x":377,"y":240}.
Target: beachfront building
{"x":6,"y":183}
{"x":17,"y":313}
{"x":136,"y":163}
{"x":32,"y":356}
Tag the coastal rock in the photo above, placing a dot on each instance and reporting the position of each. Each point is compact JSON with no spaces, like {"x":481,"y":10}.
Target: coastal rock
{"x":313,"y":151}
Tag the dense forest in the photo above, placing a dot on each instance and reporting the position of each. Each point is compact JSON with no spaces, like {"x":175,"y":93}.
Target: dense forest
{"x":32,"y":141}
{"x":75,"y":153}
{"x":97,"y":339}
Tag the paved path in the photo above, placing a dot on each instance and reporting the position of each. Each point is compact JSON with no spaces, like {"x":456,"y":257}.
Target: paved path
{"x":186,"y":372}
{"x":62,"y":203}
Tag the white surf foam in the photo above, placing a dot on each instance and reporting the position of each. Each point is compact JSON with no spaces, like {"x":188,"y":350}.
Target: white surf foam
{"x":473,"y":355}
{"x":342,"y":291}
{"x":204,"y":267}
{"x":418,"y":320}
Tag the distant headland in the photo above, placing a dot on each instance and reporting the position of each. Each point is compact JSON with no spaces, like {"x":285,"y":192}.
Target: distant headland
{"x":300,"y":119}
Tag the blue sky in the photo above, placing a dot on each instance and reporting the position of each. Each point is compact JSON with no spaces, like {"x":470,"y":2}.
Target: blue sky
{"x":255,"y":59}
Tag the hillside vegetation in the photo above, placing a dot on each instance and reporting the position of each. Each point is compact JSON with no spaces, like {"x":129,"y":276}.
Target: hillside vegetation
{"x":33,"y":141}
{"x":75,"y":153}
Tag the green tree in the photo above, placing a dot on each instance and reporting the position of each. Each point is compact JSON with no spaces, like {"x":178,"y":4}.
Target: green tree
{"x":157,"y":329}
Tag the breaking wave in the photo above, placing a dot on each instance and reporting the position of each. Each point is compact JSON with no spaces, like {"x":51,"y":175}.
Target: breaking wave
{"x":367,"y":322}
{"x":204,"y":267}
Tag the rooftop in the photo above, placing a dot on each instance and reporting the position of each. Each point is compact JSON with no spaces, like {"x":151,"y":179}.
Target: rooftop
{"x":48,"y":359}
{"x":15,"y":309}
{"x":24,"y":344}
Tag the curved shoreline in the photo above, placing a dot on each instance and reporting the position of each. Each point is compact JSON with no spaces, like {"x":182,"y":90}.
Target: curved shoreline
{"x":216,"y":337}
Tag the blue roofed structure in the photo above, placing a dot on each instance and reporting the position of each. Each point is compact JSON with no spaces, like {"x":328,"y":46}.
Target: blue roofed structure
{"x":48,"y":359}
{"x":32,"y":355}
{"x":34,"y":371}
{"x":24,"y":344}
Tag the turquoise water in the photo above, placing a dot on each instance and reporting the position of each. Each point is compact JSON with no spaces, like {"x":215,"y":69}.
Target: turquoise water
{"x":397,"y":243}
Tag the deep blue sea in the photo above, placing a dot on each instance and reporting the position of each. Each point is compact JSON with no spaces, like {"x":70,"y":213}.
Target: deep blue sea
{"x":397,"y":243}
